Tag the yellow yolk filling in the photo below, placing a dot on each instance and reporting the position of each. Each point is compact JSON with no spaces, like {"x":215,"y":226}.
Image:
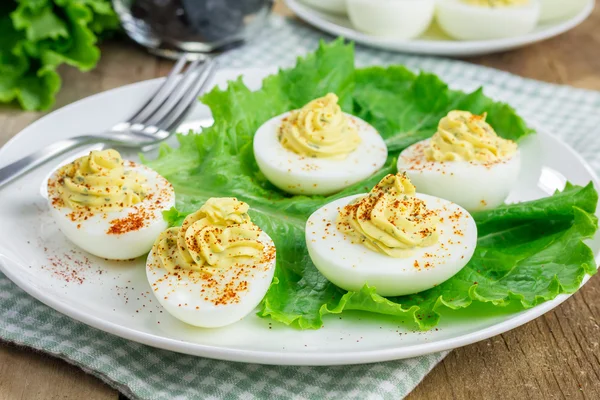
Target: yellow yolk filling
{"x":497,"y":3}
{"x":219,"y":235}
{"x":319,"y":129}
{"x":99,"y":181}
{"x":462,"y":136}
{"x":390,"y":220}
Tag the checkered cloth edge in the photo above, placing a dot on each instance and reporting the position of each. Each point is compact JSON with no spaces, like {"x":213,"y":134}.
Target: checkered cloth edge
{"x":143,"y":372}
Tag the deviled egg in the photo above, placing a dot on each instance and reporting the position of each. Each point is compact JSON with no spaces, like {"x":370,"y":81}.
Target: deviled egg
{"x":552,"y":10}
{"x":330,"y":6}
{"x":465,"y":161}
{"x":318,"y":149}
{"x":214,"y":269}
{"x":393,"y":239}
{"x":487,"y":19}
{"x":400,"y":19}
{"x":109,"y":207}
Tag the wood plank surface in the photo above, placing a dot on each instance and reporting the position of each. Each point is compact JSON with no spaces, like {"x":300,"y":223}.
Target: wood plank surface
{"x":25,"y":374}
{"x":557,"y":356}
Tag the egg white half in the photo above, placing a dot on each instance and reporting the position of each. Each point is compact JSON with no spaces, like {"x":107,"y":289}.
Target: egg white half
{"x":330,"y":6}
{"x":552,"y":10}
{"x":92,"y":233}
{"x":400,"y":19}
{"x":472,"y":185}
{"x":193,"y":299}
{"x":352,"y":265}
{"x":469,"y":22}
{"x":297,"y":174}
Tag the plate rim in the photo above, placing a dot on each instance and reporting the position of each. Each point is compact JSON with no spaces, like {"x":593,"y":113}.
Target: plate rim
{"x":439,"y":47}
{"x":10,"y":268}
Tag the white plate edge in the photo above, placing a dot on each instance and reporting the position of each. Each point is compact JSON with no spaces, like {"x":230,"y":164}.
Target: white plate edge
{"x":272,"y":358}
{"x":439,"y":47}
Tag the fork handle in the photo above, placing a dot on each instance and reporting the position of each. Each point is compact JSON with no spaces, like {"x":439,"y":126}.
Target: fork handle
{"x":26,"y":164}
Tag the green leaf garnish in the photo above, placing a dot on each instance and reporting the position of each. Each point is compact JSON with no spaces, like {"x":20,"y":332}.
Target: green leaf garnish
{"x":522,"y":255}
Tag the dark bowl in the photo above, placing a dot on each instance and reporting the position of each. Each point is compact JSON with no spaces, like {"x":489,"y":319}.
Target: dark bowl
{"x":194,"y":26}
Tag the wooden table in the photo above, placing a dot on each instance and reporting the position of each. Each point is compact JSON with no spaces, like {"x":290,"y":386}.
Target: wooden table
{"x":556,"y":356}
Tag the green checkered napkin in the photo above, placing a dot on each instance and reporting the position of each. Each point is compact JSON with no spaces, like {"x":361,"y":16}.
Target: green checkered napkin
{"x":140,"y":371}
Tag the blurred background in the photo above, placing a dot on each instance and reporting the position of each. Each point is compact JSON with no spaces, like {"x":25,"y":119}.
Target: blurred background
{"x":56,"y":52}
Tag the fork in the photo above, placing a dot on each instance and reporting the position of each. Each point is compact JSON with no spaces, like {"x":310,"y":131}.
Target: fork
{"x":154,"y":122}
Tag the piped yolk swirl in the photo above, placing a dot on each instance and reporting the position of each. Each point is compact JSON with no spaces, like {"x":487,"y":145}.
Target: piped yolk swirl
{"x":319,"y":129}
{"x":390,"y":219}
{"x":462,"y":136}
{"x":497,"y":3}
{"x":100,"y":181}
{"x":219,"y":235}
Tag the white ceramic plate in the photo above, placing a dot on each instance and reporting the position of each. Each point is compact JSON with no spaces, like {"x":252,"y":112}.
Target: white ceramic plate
{"x":434,"y":41}
{"x":115,"y":296}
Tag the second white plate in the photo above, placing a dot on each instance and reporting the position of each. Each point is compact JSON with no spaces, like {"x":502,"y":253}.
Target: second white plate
{"x":434,"y":41}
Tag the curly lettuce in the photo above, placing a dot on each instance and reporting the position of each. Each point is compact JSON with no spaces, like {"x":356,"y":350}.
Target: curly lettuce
{"x":527,"y":253}
{"x":36,"y":36}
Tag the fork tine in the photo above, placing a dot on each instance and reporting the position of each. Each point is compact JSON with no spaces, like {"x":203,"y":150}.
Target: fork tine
{"x":184,"y":106}
{"x":163,"y":92}
{"x":160,"y":92}
{"x":185,"y":84}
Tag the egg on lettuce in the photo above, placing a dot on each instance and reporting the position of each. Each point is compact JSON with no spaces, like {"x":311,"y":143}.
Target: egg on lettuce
{"x":109,"y":207}
{"x":392,"y":238}
{"x":465,"y":162}
{"x":487,"y":19}
{"x":214,"y":269}
{"x":318,"y":149}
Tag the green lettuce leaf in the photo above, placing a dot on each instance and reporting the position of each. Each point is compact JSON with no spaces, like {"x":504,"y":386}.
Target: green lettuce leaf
{"x":520,"y":255}
{"x":406,"y":107}
{"x":36,"y":36}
